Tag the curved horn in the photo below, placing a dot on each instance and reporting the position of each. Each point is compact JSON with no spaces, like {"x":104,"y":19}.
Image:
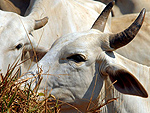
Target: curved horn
{"x":121,"y":39}
{"x":102,"y":19}
{"x":40,"y":23}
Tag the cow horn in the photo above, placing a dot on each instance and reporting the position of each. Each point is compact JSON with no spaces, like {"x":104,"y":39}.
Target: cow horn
{"x":40,"y":23}
{"x":102,"y":19}
{"x":121,"y":39}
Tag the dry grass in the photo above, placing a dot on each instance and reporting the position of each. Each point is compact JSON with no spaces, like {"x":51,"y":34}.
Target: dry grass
{"x":25,"y":100}
{"x":14,"y":100}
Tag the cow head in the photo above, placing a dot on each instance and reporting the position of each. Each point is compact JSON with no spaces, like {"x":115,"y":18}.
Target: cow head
{"x":15,"y":36}
{"x":75,"y":61}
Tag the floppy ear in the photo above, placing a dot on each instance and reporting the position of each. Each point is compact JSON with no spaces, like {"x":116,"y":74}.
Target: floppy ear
{"x":126,"y":82}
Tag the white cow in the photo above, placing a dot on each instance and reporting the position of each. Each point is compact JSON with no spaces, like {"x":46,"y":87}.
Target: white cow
{"x":78,"y":64}
{"x":64,"y":17}
{"x":15,"y":36}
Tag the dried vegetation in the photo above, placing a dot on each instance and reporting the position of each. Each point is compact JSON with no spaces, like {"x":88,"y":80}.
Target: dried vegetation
{"x":14,"y":99}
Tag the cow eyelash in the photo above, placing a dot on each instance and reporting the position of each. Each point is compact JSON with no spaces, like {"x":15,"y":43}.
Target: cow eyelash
{"x":77,"y":58}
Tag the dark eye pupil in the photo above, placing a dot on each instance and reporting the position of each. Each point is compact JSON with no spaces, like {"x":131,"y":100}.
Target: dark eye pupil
{"x":76,"y":58}
{"x":19,"y":46}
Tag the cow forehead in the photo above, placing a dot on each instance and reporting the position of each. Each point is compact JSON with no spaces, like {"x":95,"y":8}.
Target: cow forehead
{"x":12,"y":31}
{"x":78,"y":38}
{"x":6,"y":17}
{"x":14,"y":28}
{"x":11,"y":21}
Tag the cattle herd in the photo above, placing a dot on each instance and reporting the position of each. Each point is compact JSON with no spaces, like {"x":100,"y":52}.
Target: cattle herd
{"x":80,"y":49}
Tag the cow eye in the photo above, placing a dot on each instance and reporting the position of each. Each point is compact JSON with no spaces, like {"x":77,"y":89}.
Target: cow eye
{"x":19,"y":46}
{"x":77,"y":58}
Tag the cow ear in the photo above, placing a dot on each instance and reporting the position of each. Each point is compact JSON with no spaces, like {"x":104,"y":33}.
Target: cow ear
{"x":37,"y":53}
{"x":125,"y":82}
